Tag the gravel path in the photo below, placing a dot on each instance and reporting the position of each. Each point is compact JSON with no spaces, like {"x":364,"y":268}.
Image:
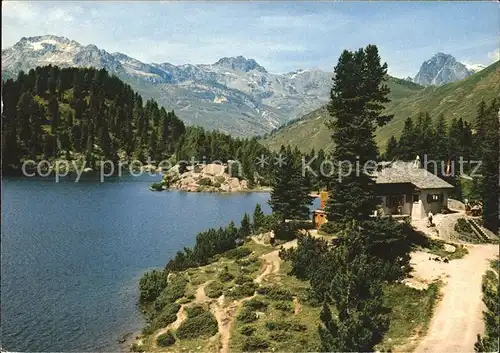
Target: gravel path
{"x":458,"y":317}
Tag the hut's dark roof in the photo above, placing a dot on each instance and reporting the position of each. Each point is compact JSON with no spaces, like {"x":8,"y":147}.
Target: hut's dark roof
{"x":399,"y":172}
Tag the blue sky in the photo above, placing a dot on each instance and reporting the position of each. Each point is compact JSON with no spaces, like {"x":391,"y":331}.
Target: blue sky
{"x":281,"y":36}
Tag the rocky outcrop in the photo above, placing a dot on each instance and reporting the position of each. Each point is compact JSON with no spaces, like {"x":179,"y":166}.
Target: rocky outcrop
{"x":203,"y":178}
{"x":442,"y":69}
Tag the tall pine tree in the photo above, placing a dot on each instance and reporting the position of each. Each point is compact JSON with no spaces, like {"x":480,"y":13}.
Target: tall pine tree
{"x":290,"y":196}
{"x":357,"y":97}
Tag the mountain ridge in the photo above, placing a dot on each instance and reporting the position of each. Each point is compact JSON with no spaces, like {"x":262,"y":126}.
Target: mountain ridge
{"x":454,"y":100}
{"x":234,"y":94}
{"x":443,"y":68}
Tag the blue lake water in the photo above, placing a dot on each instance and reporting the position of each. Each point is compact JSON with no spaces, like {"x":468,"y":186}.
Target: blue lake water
{"x":73,"y":253}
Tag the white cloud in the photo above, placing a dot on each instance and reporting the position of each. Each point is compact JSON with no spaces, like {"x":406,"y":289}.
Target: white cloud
{"x":19,"y":11}
{"x":494,"y":55}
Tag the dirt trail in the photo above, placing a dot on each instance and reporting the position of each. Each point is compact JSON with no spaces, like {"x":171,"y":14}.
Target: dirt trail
{"x":458,"y":317}
{"x":272,"y":261}
{"x":226,"y":315}
{"x":181,"y":316}
{"x":271,"y":265}
{"x":200,"y":298}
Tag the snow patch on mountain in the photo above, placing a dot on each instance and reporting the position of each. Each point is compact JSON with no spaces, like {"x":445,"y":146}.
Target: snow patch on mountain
{"x":444,"y":68}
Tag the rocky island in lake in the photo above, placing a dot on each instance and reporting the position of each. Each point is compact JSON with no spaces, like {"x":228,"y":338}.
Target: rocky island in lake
{"x":202,"y":178}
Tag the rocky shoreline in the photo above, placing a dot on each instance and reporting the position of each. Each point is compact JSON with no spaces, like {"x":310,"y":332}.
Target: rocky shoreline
{"x":203,"y":178}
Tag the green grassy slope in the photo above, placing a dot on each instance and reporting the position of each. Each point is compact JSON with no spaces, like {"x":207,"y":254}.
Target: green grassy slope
{"x":459,"y":99}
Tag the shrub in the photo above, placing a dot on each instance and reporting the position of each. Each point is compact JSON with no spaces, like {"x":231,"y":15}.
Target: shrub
{"x":214,"y":289}
{"x":285,"y":231}
{"x":330,"y":228}
{"x":203,"y":325}
{"x":255,"y":304}
{"x":253,"y":344}
{"x":285,"y":326}
{"x":462,"y":226}
{"x":243,"y":279}
{"x":225,"y":276}
{"x":247,"y":315}
{"x":275,"y":292}
{"x":175,"y":290}
{"x":219,"y":179}
{"x":205,"y":182}
{"x":157,"y":187}
{"x":152,"y":283}
{"x":184,"y":300}
{"x":247,"y":330}
{"x":247,"y":262}
{"x":245,"y":290}
{"x":195,"y":310}
{"x":166,"y":339}
{"x":280,"y":336}
{"x":217,"y":185}
{"x":283,"y":306}
{"x":237,"y":253}
{"x":136,"y":348}
{"x":167,"y":316}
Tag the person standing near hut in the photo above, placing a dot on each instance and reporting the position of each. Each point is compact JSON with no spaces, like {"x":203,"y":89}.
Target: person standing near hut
{"x":271,"y":238}
{"x":429,"y":217}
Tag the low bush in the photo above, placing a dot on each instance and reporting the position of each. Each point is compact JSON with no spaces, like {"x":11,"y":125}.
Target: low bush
{"x":219,"y":179}
{"x":162,"y":319}
{"x":285,"y":326}
{"x":243,"y":279}
{"x":255,"y":304}
{"x":174,"y":290}
{"x":247,"y":315}
{"x":462,"y":226}
{"x":285,"y":231}
{"x":195,"y":310}
{"x":237,"y":253}
{"x":157,"y":187}
{"x":247,"y":262}
{"x":252,"y":344}
{"x":214,"y":289}
{"x":465,"y":232}
{"x":167,"y":316}
{"x":240,"y":291}
{"x":301,"y":225}
{"x":217,"y":185}
{"x":166,"y":339}
{"x":283,"y":306}
{"x":205,"y":182}
{"x":247,"y":330}
{"x":275,"y":292}
{"x":184,"y":300}
{"x":203,"y":325}
{"x":280,"y":336}
{"x":136,"y":348}
{"x":151,"y":284}
{"x":225,"y":276}
{"x":330,"y":228}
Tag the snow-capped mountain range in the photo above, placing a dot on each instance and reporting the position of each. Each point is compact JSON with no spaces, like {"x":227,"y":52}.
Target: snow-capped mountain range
{"x":444,"y":68}
{"x":235,"y":94}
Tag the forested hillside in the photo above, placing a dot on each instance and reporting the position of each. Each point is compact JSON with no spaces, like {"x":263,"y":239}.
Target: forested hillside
{"x":455,"y":100}
{"x":87,"y":114}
